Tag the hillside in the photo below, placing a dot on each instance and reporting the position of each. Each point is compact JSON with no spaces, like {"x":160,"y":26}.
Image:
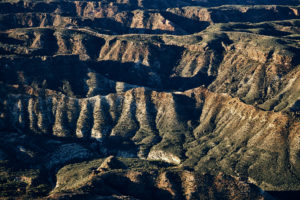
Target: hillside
{"x":195,"y":99}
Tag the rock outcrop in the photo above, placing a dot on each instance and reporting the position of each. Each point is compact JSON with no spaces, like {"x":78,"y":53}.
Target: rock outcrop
{"x":110,"y":163}
{"x":155,"y":184}
{"x":212,"y":86}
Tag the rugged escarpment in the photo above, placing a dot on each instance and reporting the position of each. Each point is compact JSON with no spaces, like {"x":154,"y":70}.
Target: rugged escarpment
{"x":198,"y":89}
{"x":195,"y":128}
{"x":166,"y":183}
{"x":261,"y":70}
{"x":176,"y":17}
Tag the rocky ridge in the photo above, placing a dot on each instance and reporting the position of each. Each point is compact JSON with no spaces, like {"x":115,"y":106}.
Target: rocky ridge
{"x":196,"y":84}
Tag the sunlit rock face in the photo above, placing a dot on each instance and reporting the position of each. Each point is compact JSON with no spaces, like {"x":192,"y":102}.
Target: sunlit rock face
{"x":202,"y":87}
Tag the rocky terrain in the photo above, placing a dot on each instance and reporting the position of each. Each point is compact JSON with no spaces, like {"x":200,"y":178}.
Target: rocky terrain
{"x":140,"y":99}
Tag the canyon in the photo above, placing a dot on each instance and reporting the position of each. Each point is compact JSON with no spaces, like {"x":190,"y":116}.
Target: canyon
{"x":194,"y":99}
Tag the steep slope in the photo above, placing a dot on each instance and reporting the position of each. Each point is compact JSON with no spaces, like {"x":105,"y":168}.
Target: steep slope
{"x":259,"y":69}
{"x":167,"y":183}
{"x":201,"y":129}
{"x":204,"y":88}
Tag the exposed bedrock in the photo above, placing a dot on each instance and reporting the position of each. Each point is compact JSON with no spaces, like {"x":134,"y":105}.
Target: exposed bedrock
{"x":196,"y":128}
{"x":199,"y":86}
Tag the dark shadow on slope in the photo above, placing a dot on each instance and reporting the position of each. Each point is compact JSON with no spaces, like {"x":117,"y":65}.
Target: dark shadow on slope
{"x":119,"y":146}
{"x":142,"y":133}
{"x":93,"y":46}
{"x":110,"y":26}
{"x":5,"y":39}
{"x":189,"y":25}
{"x":185,"y":83}
{"x":262,"y":29}
{"x":102,"y":25}
{"x":68,"y":74}
{"x":61,"y":73}
{"x":131,"y":73}
{"x":253,"y":14}
{"x":113,"y":183}
{"x":186,"y":108}
{"x":48,"y":42}
{"x":284,"y":195}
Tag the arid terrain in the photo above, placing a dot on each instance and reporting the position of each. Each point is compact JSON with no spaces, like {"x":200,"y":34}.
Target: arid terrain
{"x":149,"y":99}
